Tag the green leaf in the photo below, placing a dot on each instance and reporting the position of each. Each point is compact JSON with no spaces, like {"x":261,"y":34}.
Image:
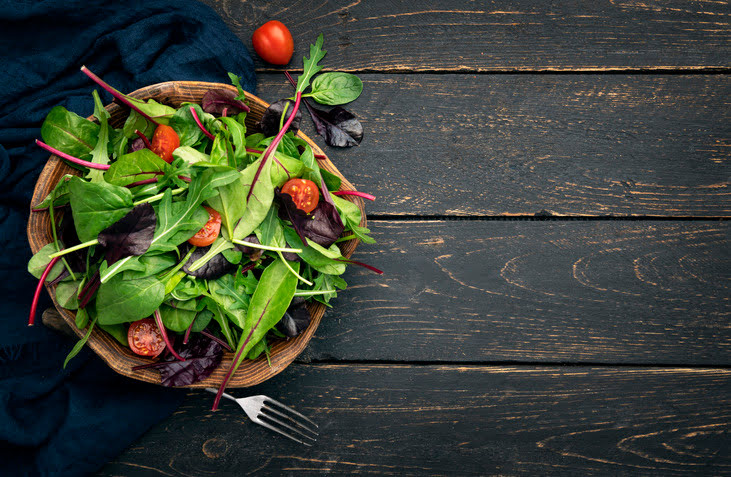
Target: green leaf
{"x":130,"y":167}
{"x":122,"y":301}
{"x":260,"y":201}
{"x":336,"y":88}
{"x":230,"y":203}
{"x":96,"y":206}
{"x":66,"y":294}
{"x":236,"y":81}
{"x":69,"y":132}
{"x":60,"y":194}
{"x":100,"y":154}
{"x":79,"y":345}
{"x":179,"y":317}
{"x":118,"y":332}
{"x":350,"y":214}
{"x":311,"y":66}
{"x":159,"y":112}
{"x":232,"y":300}
{"x":137,"y":122}
{"x":186,"y":127}
{"x":268,"y":303}
{"x":190,"y":155}
{"x":189,"y":288}
{"x":82,"y":318}
{"x":218,"y":246}
{"x":38,"y":263}
{"x":327,"y":282}
{"x":312,"y":257}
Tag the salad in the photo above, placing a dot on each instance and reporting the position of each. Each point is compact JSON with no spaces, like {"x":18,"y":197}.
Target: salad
{"x":186,"y":234}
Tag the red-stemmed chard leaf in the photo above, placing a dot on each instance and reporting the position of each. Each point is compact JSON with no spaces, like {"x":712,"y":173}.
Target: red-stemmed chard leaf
{"x":216,"y":101}
{"x":164,"y":333}
{"x":144,"y":139}
{"x":200,"y":124}
{"x":37,"y":295}
{"x":361,"y":264}
{"x":75,"y":160}
{"x":117,"y":95}
{"x":272,"y":118}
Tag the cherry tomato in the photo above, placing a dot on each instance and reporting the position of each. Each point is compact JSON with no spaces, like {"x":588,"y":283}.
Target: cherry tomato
{"x":205,"y":236}
{"x":164,"y":142}
{"x":273,"y":43}
{"x":304,"y":193}
{"x":145,"y":338}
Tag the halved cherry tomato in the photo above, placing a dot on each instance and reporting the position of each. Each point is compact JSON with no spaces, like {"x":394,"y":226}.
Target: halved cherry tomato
{"x":145,"y":338}
{"x":164,"y":142}
{"x":304,"y":193}
{"x":273,"y":43}
{"x":205,"y":236}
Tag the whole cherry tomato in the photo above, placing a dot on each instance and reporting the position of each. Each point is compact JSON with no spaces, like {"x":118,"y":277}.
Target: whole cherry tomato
{"x":145,"y":338}
{"x":273,"y":43}
{"x":304,"y":193}
{"x":208,"y":234}
{"x":164,"y":142}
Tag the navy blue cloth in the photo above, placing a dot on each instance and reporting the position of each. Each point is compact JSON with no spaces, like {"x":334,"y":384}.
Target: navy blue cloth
{"x":72,"y":421}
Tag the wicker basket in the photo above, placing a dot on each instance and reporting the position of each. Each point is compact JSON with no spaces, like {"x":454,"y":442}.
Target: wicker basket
{"x":121,"y":359}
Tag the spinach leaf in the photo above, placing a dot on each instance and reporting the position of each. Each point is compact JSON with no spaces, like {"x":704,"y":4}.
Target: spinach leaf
{"x":190,"y":155}
{"x":100,"y":154}
{"x":350,"y":213}
{"x":38,"y":263}
{"x":179,"y":316}
{"x":118,"y":332}
{"x":96,"y":206}
{"x":189,"y":288}
{"x":159,"y":112}
{"x":66,"y":294}
{"x":122,"y":301}
{"x":69,"y":132}
{"x":136,"y":166}
{"x":336,"y":88}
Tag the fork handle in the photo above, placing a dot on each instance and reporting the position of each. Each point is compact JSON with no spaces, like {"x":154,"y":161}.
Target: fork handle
{"x":226,"y":395}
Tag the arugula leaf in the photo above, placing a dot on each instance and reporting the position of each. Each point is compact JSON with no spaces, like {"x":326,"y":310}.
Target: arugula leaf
{"x":236,"y":81}
{"x":100,"y":154}
{"x":310,"y":64}
{"x":95,"y":206}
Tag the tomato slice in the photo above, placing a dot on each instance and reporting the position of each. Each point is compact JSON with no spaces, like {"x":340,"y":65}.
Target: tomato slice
{"x":164,"y":142}
{"x":304,"y":193}
{"x":206,"y":235}
{"x":145,"y":338}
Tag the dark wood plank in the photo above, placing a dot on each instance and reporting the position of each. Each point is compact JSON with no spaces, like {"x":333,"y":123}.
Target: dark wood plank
{"x":447,"y":420}
{"x":500,"y":35}
{"x":535,"y":144}
{"x":535,"y":291}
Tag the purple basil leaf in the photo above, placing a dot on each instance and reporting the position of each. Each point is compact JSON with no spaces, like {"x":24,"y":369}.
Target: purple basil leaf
{"x":295,"y":321}
{"x":136,"y":144}
{"x":325,"y":226}
{"x":216,"y":267}
{"x":271,"y":118}
{"x":216,"y":100}
{"x":130,"y":235}
{"x":339,"y":127}
{"x":202,"y":356}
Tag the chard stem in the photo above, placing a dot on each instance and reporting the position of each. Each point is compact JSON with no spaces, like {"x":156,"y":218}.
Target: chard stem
{"x":37,"y":295}
{"x":74,"y":248}
{"x":163,"y":332}
{"x":266,"y":247}
{"x":119,"y":96}
{"x":200,"y":124}
{"x":75,"y":160}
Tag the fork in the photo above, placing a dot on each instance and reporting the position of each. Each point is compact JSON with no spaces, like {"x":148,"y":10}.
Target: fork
{"x":258,"y":407}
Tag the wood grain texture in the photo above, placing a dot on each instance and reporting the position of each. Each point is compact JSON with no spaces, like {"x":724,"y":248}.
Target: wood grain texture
{"x":622,"y":145}
{"x":121,"y":359}
{"x":535,"y":291}
{"x":499,"y":35}
{"x":469,"y":420}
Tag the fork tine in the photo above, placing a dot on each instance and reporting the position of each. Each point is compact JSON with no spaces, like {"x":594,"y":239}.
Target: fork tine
{"x":274,"y":411}
{"x":287,"y":408}
{"x":285,"y":425}
{"x":269,"y":426}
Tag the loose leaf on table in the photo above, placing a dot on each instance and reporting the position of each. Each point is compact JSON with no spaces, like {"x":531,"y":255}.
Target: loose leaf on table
{"x":339,"y":127}
{"x":100,"y":154}
{"x":130,"y":235}
{"x":202,"y":356}
{"x":96,"y":206}
{"x":311,"y":66}
{"x":70,"y":133}
{"x":136,"y":166}
{"x":122,"y":301}
{"x":336,"y":88}
{"x":216,"y":100}
{"x":260,"y":199}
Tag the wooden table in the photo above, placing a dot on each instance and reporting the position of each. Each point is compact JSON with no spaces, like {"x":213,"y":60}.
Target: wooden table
{"x":552,"y":183}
